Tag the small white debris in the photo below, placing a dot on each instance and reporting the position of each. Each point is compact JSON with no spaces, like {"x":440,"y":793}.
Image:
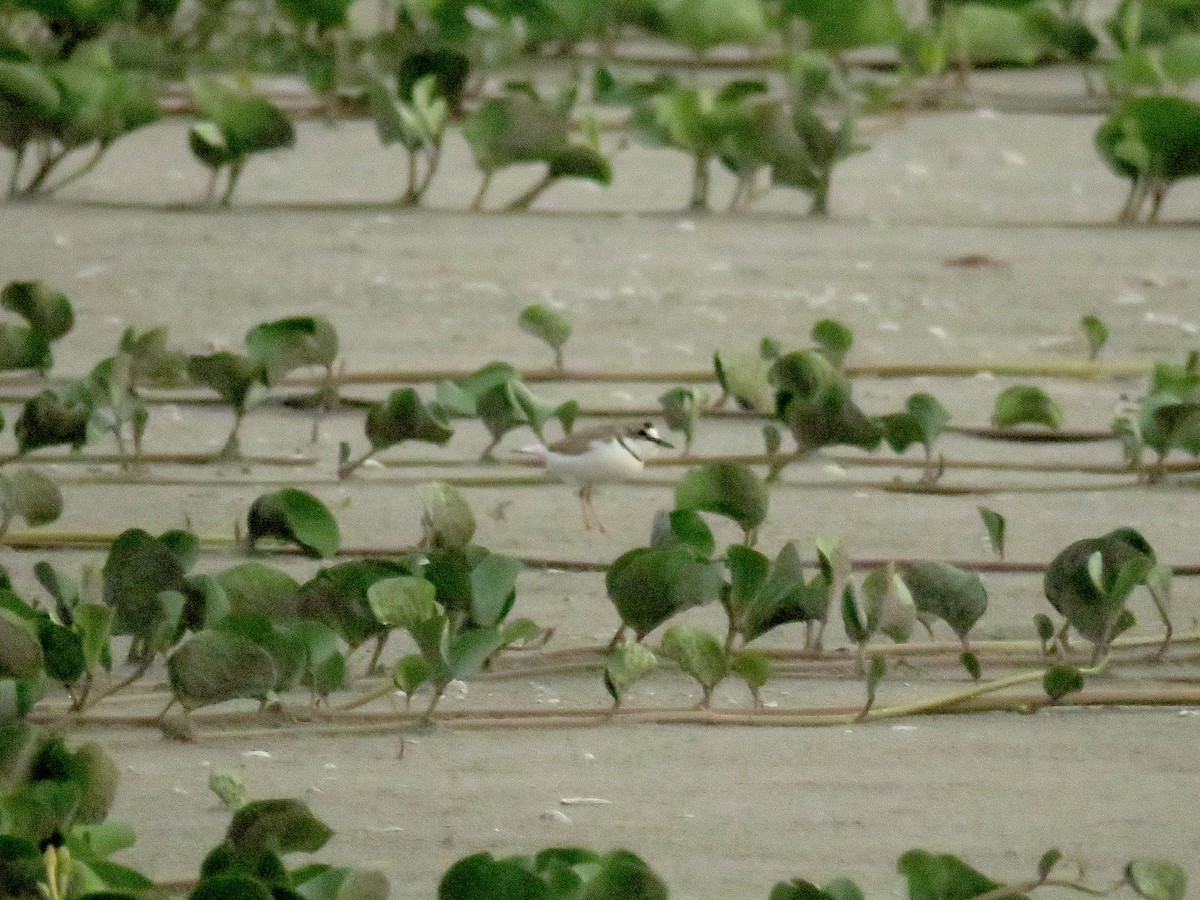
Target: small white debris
{"x":178,"y":790}
{"x":90,"y":271}
{"x":330,"y":765}
{"x":938,"y":332}
{"x":585,"y":801}
{"x":985,"y":113}
{"x":771,"y":704}
{"x":904,"y":728}
{"x":864,"y":265}
{"x":590,"y":757}
{"x":60,"y":240}
{"x":686,"y":225}
{"x":916,"y":170}
{"x":1129,"y":298}
{"x":372,"y":464}
{"x":116,"y":321}
{"x":256,"y":754}
{"x":833,"y":470}
{"x":889,"y":326}
{"x":313,"y":789}
{"x":1189,"y":712}
{"x":384,"y":220}
{"x":557,"y":816}
{"x":1012,"y":158}
{"x":986,"y":375}
{"x":457,"y":690}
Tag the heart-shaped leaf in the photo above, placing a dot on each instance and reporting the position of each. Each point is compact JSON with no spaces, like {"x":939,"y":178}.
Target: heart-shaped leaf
{"x":446,"y":519}
{"x":404,"y":601}
{"x":698,"y":654}
{"x":1026,"y":405}
{"x":627,"y":663}
{"x":888,"y":604}
{"x":295,"y":516}
{"x":648,"y":585}
{"x":954,"y":595}
{"x":31,"y":496}
{"x":287,"y":344}
{"x":279,"y":826}
{"x":48,"y":312}
{"x":1156,"y":879}
{"x":726,"y":489}
{"x":215,"y":666}
{"x":403,"y":417}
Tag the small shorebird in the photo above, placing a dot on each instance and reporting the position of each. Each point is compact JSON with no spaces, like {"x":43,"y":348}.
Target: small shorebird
{"x":604,"y":455}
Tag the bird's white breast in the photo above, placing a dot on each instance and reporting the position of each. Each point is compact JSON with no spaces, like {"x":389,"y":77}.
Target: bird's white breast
{"x":603,"y":462}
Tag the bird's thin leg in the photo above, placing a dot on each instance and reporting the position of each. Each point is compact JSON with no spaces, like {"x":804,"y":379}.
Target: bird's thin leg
{"x":595,"y":515}
{"x":583,"y":504}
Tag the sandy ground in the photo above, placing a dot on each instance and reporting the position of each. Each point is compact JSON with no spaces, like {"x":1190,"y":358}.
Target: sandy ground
{"x":721,"y":812}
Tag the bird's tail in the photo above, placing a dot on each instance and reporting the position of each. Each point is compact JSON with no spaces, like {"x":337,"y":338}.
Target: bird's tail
{"x":536,"y":451}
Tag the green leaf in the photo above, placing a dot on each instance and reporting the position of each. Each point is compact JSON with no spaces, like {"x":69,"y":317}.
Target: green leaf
{"x":1090,"y":580}
{"x":215,"y":666}
{"x":546,"y":324}
{"x":726,"y":489}
{"x":701,"y":25}
{"x":31,"y":496}
{"x":94,"y":624}
{"x":698,"y":654}
{"x":410,"y":673}
{"x":1062,"y":680}
{"x":942,"y":877}
{"x":99,"y":841}
{"x":1156,"y":879}
{"x":48,"y":420}
{"x":232,"y":375}
{"x":493,"y":588}
{"x":834,"y":339}
{"x":888,"y":604}
{"x":683,"y":528}
{"x":248,"y":124}
{"x":404,"y":601}
{"x":285,"y":345}
{"x":813,"y":398}
{"x":990,"y":35}
{"x":515,"y":128}
{"x":627,"y":663}
{"x":229,"y":789}
{"x":849,"y":23}
{"x":338,"y":883}
{"x":1046,"y":864}
{"x":1096,"y":333}
{"x":403,"y":417}
{"x":621,"y":875}
{"x":446,"y":519}
{"x":62,"y":652}
{"x":1026,"y":405}
{"x":583,"y":162}
{"x":138,"y":569}
{"x":295,"y":516}
{"x":20,"y":649}
{"x":954,"y":595}
{"x":971,"y":663}
{"x":1044,"y":627}
{"x":482,"y":877}
{"x":279,"y":826}
{"x":994,"y":523}
{"x":1160,"y":130}
{"x":649,"y":585}
{"x":231,"y":887}
{"x":682,"y":407}
{"x":48,"y":312}
{"x":468,"y":651}
{"x":746,"y":378}
{"x":338,"y":597}
{"x":753,"y":667}
{"x":853,"y":619}
{"x":23,"y":348}
{"x":255,"y":589}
